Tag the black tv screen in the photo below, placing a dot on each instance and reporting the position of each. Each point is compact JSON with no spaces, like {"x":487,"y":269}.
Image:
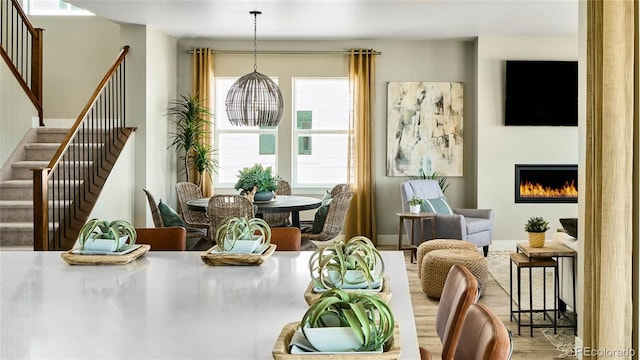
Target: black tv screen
{"x":541,"y":93}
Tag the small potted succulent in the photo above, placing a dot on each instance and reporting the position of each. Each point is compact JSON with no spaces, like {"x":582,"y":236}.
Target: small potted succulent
{"x":260,"y":178}
{"x":355,"y":264}
{"x":536,"y":226}
{"x":414,"y":204}
{"x":344,"y":322}
{"x":243,"y":235}
{"x":106,"y":236}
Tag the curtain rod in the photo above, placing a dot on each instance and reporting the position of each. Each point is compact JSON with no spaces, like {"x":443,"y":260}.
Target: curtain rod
{"x":280,"y":52}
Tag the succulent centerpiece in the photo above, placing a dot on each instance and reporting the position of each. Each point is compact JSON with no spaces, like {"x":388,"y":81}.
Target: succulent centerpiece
{"x":353,"y":264}
{"x":243,"y":235}
{"x":536,"y":226}
{"x":109,"y":236}
{"x":341,"y":321}
{"x":258,"y":178}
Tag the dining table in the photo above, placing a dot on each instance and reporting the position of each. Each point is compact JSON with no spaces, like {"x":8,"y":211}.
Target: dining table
{"x":165,"y":304}
{"x":280,"y":203}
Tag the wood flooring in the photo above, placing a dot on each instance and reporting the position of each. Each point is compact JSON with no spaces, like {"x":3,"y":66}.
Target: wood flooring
{"x":424,"y":308}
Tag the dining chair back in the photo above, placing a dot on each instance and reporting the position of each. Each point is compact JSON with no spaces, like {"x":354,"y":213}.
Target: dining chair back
{"x":221,"y":207}
{"x":155,"y":210}
{"x":163,"y":239}
{"x":286,"y":238}
{"x":339,"y":188}
{"x":492,"y":340}
{"x":189,"y":191}
{"x":280,"y":218}
{"x":459,"y":292}
{"x":334,"y":222}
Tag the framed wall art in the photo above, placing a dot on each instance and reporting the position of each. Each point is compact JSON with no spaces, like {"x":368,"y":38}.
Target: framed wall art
{"x":424,"y":128}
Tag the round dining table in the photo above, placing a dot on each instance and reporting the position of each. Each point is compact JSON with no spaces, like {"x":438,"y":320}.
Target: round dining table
{"x":281,"y":203}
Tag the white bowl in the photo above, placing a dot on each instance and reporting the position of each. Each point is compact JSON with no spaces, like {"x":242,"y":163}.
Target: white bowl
{"x":105,"y":245}
{"x":333,"y":339}
{"x":245,"y":246}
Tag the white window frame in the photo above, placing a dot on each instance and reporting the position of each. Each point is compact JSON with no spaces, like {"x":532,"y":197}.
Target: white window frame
{"x":31,"y":8}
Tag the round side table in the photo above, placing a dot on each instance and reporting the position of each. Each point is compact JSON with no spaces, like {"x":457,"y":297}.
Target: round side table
{"x":405,"y":215}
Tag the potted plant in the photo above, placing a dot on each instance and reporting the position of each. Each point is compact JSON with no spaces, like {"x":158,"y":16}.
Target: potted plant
{"x":355,"y":264}
{"x":192,"y":119}
{"x":261,"y":178}
{"x":243,"y":235}
{"x":342,"y":322}
{"x":102,"y":235}
{"x":414,"y":204}
{"x":536,"y":226}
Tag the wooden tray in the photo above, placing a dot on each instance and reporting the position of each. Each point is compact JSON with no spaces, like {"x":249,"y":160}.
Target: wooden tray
{"x":385,"y":293}
{"x":281,"y":348}
{"x":77,"y":259}
{"x":214,"y":259}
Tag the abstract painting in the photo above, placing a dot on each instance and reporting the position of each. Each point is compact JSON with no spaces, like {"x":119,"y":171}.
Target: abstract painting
{"x":424,"y":128}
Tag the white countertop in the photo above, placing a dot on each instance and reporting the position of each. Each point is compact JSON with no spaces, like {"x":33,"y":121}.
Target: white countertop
{"x":164,"y":305}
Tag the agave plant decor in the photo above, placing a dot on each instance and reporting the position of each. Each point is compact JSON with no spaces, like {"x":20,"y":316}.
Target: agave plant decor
{"x":262,"y":178}
{"x":103,"y":235}
{"x":236,"y":232}
{"x":369,"y":318}
{"x":352,"y":264}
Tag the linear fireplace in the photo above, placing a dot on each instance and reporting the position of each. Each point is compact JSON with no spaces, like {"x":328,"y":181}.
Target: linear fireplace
{"x":546,"y":183}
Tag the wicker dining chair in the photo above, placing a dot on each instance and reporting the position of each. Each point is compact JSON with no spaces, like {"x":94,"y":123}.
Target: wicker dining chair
{"x":221,"y":207}
{"x":334,"y":222}
{"x":155,"y":210}
{"x":189,"y":191}
{"x":280,"y":219}
{"x":339,"y":188}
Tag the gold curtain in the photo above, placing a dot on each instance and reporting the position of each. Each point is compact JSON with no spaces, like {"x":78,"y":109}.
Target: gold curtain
{"x":201,"y":85}
{"x":361,"y":219}
{"x":609,"y":204}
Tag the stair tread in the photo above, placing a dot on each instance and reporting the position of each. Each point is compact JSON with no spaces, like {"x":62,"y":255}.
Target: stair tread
{"x":25,"y":203}
{"x":16,"y":225}
{"x":52,"y":130}
{"x":42,"y":163}
{"x":49,"y":146}
{"x":25,"y":183}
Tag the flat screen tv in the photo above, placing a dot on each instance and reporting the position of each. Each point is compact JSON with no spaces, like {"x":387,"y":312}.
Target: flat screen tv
{"x":541,"y":93}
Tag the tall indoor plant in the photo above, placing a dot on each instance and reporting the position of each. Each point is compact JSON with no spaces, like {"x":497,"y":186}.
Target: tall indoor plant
{"x":192,"y":120}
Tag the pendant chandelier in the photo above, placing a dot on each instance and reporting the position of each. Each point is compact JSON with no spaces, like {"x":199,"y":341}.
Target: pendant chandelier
{"x":254,"y":100}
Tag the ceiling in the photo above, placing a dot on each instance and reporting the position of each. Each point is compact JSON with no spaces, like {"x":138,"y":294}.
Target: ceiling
{"x":344,"y":19}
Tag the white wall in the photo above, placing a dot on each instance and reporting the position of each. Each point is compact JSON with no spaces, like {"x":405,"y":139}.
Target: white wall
{"x":77,"y":52}
{"x":501,"y":147}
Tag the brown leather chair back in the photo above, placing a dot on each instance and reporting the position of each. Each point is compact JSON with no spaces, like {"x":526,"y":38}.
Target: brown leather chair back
{"x":459,"y":292}
{"x":491,"y":340}
{"x":163,"y":239}
{"x":286,"y":239}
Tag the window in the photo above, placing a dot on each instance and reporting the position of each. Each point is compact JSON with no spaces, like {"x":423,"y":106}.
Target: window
{"x":51,"y":7}
{"x":239,"y":147}
{"x":321,"y":125}
{"x":316,"y":148}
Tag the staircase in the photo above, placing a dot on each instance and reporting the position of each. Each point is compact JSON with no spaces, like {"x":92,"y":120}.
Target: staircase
{"x":16,"y":193}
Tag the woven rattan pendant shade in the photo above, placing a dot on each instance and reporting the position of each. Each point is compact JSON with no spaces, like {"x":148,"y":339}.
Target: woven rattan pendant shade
{"x":254,"y":100}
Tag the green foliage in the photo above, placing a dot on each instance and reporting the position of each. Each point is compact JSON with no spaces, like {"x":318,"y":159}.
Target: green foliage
{"x":203,"y":160}
{"x":442,"y":180}
{"x":191,"y":119}
{"x":241,"y":228}
{"x":328,"y":265}
{"x":536,"y":224}
{"x":368,"y":315}
{"x":415,"y":200}
{"x":257,"y":176}
{"x":102,"y":229}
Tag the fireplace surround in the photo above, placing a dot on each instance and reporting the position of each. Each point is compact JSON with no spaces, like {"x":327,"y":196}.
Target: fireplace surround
{"x":550,"y":183}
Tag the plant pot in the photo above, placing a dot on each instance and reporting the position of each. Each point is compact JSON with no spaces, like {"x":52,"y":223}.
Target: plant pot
{"x":333,"y":339}
{"x":536,"y":240}
{"x":263,"y":196}
{"x":353,"y":279}
{"x":414,"y":209}
{"x":106,"y":245}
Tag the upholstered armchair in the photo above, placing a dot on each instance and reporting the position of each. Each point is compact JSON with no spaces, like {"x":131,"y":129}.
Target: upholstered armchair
{"x":472,"y":225}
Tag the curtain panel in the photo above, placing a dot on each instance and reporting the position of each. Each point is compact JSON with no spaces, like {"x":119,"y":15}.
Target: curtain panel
{"x":201,"y":87}
{"x":361,"y":219}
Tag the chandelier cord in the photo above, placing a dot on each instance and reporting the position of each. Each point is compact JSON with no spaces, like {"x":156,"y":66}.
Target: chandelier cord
{"x":255,"y":41}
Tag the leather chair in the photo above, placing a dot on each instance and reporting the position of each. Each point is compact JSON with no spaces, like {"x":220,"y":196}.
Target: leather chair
{"x":286,"y":238}
{"x":163,"y":239}
{"x":491,"y":340}
{"x":473,"y":225}
{"x":459,"y":292}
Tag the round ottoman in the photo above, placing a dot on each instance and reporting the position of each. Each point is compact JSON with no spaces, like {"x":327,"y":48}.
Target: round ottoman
{"x":436,"y":265}
{"x":440,"y":244}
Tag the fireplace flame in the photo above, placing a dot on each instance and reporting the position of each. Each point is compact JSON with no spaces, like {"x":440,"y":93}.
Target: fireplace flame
{"x":529,"y":189}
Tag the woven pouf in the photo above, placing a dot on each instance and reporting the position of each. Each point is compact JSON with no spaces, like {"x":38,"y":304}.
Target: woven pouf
{"x":440,"y":244}
{"x":436,"y":265}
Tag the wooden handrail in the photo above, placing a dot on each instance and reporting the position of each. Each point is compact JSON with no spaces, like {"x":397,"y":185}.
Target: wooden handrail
{"x":34,"y":54}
